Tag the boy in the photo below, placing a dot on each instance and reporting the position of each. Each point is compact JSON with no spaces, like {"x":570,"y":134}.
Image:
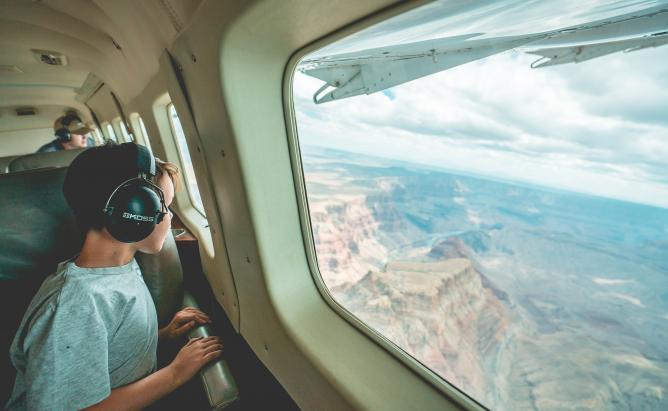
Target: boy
{"x":70,"y":134}
{"x":88,"y":339}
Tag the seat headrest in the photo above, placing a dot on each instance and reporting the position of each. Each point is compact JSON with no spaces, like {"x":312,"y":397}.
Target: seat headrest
{"x":38,"y":227}
{"x":4,"y":163}
{"x":44,"y":160}
{"x":38,"y":231}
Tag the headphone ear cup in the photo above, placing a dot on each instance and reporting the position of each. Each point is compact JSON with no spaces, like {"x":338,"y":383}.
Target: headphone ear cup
{"x":63,"y":134}
{"x":132,"y":212}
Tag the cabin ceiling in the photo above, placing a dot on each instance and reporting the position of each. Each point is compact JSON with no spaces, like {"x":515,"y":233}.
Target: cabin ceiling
{"x":119,"y":41}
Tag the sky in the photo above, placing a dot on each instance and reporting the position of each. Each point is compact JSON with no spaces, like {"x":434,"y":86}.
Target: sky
{"x":599,"y":127}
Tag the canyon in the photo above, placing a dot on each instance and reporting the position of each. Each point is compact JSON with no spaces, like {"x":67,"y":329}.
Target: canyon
{"x":519,"y":297}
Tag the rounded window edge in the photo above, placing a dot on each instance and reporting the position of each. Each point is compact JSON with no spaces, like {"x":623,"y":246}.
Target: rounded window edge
{"x":442,"y":385}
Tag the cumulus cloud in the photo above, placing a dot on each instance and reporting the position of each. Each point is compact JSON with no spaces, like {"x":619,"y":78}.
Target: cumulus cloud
{"x":610,"y":281}
{"x":596,"y":127}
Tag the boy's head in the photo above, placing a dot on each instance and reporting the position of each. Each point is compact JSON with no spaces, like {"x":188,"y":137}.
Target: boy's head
{"x":97,"y":172}
{"x":71,"y":131}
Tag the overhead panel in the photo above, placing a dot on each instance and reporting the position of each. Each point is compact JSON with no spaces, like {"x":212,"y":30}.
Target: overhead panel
{"x":89,"y":87}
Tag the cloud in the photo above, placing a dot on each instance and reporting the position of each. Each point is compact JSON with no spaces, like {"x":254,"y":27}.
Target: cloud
{"x":629,"y":299}
{"x":596,"y":127}
{"x":610,"y":281}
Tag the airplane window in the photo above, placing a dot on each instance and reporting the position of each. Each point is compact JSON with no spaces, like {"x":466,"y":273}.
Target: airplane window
{"x":99,"y":138}
{"x":126,"y":136}
{"x":144,"y":133}
{"x":494,"y":209}
{"x":186,"y":162}
{"x":110,"y":132}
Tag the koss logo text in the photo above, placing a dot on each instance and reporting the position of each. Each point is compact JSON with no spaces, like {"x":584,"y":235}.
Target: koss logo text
{"x":137,"y":217}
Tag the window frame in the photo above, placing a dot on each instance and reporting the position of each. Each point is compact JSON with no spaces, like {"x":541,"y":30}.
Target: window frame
{"x":436,"y":380}
{"x":459,"y":395}
{"x":313,"y":345}
{"x":196,"y":222}
{"x":182,"y":163}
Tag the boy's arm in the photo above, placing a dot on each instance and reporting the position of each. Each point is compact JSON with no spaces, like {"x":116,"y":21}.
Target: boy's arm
{"x":140,"y":394}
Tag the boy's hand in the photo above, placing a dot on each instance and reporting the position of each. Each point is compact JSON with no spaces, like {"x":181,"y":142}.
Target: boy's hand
{"x":183,"y":321}
{"x":193,"y":356}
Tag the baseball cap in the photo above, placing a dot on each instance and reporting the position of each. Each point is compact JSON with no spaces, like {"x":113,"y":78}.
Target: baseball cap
{"x":72,"y":123}
{"x":94,"y":174}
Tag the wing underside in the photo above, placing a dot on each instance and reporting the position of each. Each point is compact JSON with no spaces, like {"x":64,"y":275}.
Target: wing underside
{"x":372,"y":70}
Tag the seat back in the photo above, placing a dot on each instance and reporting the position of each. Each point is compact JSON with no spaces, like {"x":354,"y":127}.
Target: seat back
{"x":43,"y":160}
{"x":4,"y":163}
{"x":38,"y":231}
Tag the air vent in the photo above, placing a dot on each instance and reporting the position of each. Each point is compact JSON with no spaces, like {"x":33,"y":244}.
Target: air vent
{"x":26,"y":111}
{"x":4,"y":69}
{"x":51,"y":58}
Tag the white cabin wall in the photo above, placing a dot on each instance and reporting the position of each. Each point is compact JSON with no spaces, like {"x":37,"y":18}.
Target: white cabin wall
{"x":234,"y":56}
{"x":17,"y":142}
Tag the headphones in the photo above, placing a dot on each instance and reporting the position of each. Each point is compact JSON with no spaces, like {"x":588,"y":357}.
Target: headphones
{"x":136,"y":205}
{"x":63,"y":133}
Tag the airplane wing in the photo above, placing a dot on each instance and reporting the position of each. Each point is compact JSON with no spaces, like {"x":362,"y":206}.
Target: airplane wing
{"x":580,"y":53}
{"x":369,"y":71}
{"x":372,"y":70}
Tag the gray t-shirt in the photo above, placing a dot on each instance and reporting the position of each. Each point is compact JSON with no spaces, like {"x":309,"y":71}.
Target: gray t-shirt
{"x":86,"y":331}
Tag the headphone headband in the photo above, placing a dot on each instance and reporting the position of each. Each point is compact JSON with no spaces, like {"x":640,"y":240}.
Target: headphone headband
{"x":145,"y":161}
{"x":67,"y":119}
{"x":157,"y":189}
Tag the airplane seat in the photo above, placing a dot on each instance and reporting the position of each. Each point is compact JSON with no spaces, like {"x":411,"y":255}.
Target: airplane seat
{"x":4,"y":163}
{"x":39,"y":231}
{"x":43,"y":160}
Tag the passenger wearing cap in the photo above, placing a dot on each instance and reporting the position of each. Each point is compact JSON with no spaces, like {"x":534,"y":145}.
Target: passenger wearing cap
{"x":88,"y":339}
{"x":70,"y":134}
